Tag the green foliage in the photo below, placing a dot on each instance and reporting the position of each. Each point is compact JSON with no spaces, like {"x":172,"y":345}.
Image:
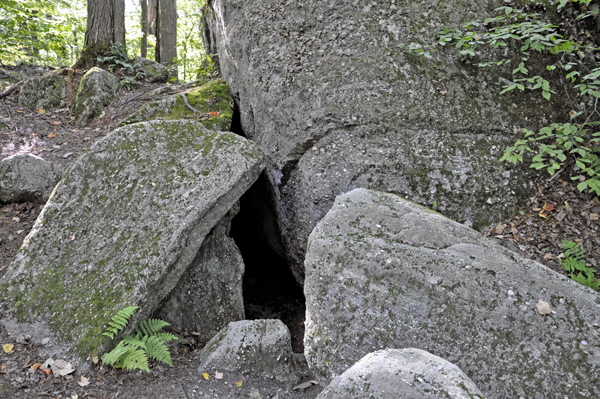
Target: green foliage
{"x":556,"y":145}
{"x":206,"y":69}
{"x":41,"y":31}
{"x":574,"y":264}
{"x":117,"y":60}
{"x":134,"y":350}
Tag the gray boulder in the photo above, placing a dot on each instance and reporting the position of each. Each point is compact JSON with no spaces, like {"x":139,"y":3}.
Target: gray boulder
{"x":382,"y":272}
{"x":402,"y":374}
{"x":47,"y":91}
{"x":325,"y":92}
{"x":122,"y":227}
{"x":95,"y":91}
{"x":262,"y":347}
{"x":155,"y":72}
{"x":27,"y":178}
{"x":209,"y":295}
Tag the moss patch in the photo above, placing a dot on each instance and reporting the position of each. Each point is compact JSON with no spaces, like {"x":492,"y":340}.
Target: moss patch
{"x":212,"y":100}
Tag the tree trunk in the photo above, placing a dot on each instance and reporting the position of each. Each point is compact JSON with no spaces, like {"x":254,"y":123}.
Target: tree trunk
{"x":144,"y":43}
{"x":166,"y":32}
{"x":105,"y":27}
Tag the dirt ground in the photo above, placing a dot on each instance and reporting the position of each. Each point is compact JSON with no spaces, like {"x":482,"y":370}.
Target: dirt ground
{"x":536,"y":232}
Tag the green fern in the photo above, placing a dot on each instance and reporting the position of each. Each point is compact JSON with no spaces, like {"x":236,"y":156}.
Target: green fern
{"x":134,"y":350}
{"x":119,"y":321}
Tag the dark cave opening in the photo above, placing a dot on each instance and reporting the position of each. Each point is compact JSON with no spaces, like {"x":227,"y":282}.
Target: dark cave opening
{"x":270,"y":290}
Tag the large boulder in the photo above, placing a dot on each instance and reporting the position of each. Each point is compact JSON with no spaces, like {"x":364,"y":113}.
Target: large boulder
{"x":47,"y":91}
{"x":154,"y":71}
{"x":383,"y":272}
{"x":123,"y":226}
{"x":211,"y":100}
{"x":28,"y":178}
{"x":209,"y":295}
{"x":402,"y":374}
{"x":262,"y":347}
{"x":335,"y":105}
{"x":95,"y":91}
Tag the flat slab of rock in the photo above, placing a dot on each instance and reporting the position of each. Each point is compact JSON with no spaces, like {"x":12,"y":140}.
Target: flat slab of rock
{"x":402,"y":374}
{"x":27,"y":178}
{"x":383,"y":272}
{"x":122,"y":227}
{"x":262,"y":347}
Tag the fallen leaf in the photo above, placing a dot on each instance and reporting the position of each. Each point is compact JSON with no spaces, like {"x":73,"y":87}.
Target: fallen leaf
{"x":8,"y":348}
{"x":84,"y":381}
{"x":45,"y":341}
{"x":189,"y":208}
{"x":205,"y":375}
{"x":19,"y":232}
{"x":36,"y":366}
{"x":19,"y":111}
{"x":57,"y":122}
{"x":239,"y":383}
{"x":95,"y":359}
{"x":72,"y":237}
{"x":3,"y":369}
{"x":42,"y":111}
{"x":74,"y":396}
{"x":68,"y":369}
{"x":543,"y":307}
{"x":48,"y":363}
{"x":47,"y":371}
{"x":218,"y":376}
{"x":593,"y":216}
{"x":16,"y":219}
{"x":51,"y":135}
{"x":498,"y":229}
{"x":153,"y":184}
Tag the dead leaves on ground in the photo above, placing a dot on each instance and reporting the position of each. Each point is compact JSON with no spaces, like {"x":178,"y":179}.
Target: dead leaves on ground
{"x":543,"y":308}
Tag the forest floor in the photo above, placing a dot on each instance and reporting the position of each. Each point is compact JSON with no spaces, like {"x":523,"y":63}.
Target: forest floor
{"x":558,"y":212}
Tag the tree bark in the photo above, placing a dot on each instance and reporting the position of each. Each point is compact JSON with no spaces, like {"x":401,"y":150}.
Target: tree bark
{"x":144,"y":21}
{"x":166,"y":32}
{"x":105,"y":27}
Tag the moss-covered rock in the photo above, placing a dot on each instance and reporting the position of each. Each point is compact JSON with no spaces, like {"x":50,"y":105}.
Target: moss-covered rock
{"x":383,"y":272}
{"x":28,"y":178}
{"x":47,"y":91}
{"x":212,"y":100}
{"x":95,"y":91}
{"x":122,"y":227}
{"x":155,"y":72}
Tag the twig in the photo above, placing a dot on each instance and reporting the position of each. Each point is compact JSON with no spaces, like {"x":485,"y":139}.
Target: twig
{"x":187,"y":104}
{"x":7,"y":111}
{"x":183,"y":389}
{"x":130,"y":100}
{"x":12,"y":88}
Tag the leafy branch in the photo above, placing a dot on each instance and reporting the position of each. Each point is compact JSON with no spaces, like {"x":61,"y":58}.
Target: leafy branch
{"x":560,"y":143}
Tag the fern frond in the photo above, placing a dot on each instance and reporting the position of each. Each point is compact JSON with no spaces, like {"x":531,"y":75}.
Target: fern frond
{"x":157,"y":350}
{"x":152,"y":326}
{"x":119,"y":321}
{"x":112,"y":358}
{"x":165,"y":337}
{"x":135,"y":359}
{"x":134,"y":342}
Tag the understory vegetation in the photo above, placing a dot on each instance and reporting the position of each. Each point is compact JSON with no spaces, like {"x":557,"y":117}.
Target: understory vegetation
{"x":51,"y":33}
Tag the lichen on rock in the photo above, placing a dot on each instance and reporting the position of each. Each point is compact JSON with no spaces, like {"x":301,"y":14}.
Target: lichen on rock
{"x":47,"y":91}
{"x":95,"y":91}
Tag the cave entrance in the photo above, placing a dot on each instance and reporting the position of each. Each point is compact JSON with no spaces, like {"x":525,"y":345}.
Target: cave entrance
{"x":270,"y":290}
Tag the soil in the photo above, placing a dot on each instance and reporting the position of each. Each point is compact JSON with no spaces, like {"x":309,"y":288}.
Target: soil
{"x":558,"y":212}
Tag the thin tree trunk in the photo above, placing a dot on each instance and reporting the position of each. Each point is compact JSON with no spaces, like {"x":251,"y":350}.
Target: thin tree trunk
{"x":166,"y":32}
{"x":144,"y":43}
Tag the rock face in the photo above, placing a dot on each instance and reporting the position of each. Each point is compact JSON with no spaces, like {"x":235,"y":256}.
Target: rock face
{"x":383,"y":272}
{"x":122,"y":227}
{"x":27,"y":178}
{"x":212,"y":100}
{"x":155,"y":72}
{"x":209,"y":295}
{"x":45,"y":91}
{"x":402,"y":374}
{"x":335,"y":105}
{"x":262,"y":347}
{"x":96,"y":90}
